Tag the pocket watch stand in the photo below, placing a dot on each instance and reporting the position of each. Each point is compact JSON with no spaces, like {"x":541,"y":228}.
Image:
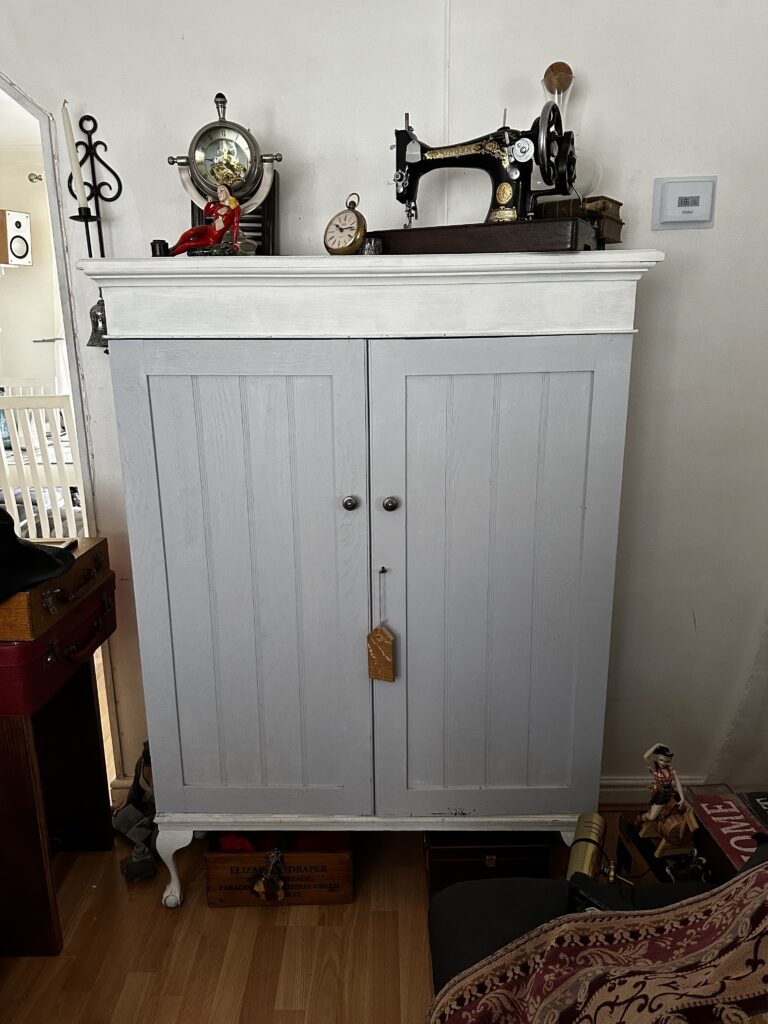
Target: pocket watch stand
{"x":224,"y":152}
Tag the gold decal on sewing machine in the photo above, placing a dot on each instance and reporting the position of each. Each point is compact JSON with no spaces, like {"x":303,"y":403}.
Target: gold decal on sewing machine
{"x":469,"y":149}
{"x":503,"y":193}
{"x":503,"y":216}
{"x":452,"y":151}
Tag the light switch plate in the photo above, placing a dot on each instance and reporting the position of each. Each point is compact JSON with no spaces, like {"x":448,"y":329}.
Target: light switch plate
{"x":684,"y":203}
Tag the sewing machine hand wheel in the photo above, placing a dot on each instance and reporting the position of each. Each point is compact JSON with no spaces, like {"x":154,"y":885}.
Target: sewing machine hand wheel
{"x":565,"y":164}
{"x":548,"y":128}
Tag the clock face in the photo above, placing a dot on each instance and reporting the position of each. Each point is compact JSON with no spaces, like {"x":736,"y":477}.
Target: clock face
{"x":345,"y":232}
{"x":223,"y":156}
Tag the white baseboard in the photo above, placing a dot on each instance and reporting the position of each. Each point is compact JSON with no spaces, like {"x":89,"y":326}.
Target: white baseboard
{"x":118,"y":788}
{"x":633,"y":789}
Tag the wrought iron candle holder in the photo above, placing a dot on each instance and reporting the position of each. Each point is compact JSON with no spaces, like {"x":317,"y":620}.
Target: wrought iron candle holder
{"x":96,"y":191}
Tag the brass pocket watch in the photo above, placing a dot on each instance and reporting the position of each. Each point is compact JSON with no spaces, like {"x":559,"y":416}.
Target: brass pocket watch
{"x":345,"y":232}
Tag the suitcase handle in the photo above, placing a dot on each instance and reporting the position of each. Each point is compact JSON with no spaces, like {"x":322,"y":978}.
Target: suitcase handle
{"x":85,"y":586}
{"x":52,"y":596}
{"x":86,"y":652}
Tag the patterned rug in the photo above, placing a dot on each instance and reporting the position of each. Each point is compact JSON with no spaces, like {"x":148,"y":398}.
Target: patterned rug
{"x":702,"y":960}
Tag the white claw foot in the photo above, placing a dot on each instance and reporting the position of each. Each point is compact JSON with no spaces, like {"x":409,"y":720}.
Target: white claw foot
{"x":173,"y":896}
{"x":168,"y":842}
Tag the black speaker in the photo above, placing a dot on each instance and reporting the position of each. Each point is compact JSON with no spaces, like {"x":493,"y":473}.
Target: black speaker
{"x":15,"y":239}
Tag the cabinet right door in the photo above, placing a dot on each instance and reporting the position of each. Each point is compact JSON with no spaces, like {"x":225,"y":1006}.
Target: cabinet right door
{"x":505,"y":458}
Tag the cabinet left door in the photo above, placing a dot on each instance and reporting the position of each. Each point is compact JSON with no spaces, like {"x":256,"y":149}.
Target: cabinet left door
{"x":251,"y":576}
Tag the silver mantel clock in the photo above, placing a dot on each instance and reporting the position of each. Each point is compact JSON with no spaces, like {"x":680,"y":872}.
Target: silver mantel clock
{"x":225,"y":153}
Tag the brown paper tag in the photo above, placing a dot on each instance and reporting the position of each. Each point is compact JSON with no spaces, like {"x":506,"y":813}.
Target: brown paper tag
{"x":381,"y":655}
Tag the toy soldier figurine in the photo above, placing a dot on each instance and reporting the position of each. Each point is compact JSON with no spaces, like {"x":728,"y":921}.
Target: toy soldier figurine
{"x":669,"y":823}
{"x":666,"y":790}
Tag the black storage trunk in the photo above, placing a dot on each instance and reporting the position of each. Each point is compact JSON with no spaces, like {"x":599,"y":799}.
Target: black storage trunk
{"x":466,"y":856}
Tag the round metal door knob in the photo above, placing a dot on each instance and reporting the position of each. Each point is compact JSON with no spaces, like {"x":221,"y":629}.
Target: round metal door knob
{"x":390,"y":504}
{"x":350,"y":503}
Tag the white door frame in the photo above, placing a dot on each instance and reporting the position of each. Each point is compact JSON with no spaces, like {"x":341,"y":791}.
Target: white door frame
{"x":61,"y":251}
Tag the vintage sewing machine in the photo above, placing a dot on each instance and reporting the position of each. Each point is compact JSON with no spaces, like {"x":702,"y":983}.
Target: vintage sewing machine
{"x":507,"y":155}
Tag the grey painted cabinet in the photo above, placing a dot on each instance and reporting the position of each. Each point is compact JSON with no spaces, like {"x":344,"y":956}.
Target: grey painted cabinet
{"x":487,"y":394}
{"x":256,"y":586}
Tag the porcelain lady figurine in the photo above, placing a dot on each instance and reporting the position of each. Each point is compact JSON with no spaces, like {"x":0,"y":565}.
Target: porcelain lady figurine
{"x":225,"y":211}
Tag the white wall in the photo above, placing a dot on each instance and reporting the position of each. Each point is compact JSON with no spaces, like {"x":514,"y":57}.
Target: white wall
{"x":662,"y":89}
{"x":27,"y":299}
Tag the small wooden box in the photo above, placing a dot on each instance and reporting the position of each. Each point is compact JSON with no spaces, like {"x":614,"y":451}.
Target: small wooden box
{"x":317,"y":866}
{"x":30,"y":613}
{"x":468,"y":856}
{"x":602,"y":212}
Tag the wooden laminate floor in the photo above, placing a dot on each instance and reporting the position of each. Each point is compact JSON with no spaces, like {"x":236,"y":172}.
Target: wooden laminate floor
{"x":126,"y":959}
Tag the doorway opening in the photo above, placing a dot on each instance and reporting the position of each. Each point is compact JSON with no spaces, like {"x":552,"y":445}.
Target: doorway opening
{"x":45,"y":476}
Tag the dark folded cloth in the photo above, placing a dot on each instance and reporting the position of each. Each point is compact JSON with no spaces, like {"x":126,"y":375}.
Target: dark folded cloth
{"x":23,"y":564}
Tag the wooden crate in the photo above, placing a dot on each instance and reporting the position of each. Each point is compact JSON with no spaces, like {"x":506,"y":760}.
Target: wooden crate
{"x":30,"y":613}
{"x":317,"y":865}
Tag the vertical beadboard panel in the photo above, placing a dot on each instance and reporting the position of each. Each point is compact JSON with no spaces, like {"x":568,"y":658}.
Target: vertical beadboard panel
{"x":496,"y":471}
{"x":230,"y":576}
{"x":510,"y":571}
{"x":271,"y":428}
{"x":428,"y":510}
{"x":185,"y":507}
{"x":561,"y":481}
{"x":469,"y":472}
{"x":504,"y":655}
{"x":258,"y":613}
{"x":321,"y":685}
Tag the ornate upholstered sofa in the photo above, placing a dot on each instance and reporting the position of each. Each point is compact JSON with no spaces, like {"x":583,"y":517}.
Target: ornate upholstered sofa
{"x":512,"y":951}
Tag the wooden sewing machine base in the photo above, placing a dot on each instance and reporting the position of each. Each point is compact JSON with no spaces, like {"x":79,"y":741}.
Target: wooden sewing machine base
{"x":565,"y":234}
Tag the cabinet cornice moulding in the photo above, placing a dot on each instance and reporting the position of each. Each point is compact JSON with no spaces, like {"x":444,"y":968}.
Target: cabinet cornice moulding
{"x":291,"y":270}
{"x":378,"y":296}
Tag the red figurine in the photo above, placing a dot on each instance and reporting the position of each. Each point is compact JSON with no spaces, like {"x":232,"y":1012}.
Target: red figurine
{"x":226,"y":214}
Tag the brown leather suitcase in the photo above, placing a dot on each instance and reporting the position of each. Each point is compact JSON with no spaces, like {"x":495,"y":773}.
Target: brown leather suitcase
{"x":30,"y":613}
{"x":32,"y":671}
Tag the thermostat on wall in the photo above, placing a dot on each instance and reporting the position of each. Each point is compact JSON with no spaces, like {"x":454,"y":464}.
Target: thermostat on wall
{"x":683,"y":203}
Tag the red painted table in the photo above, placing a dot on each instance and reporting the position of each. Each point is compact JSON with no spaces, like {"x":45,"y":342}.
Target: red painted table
{"x":53,"y":783}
